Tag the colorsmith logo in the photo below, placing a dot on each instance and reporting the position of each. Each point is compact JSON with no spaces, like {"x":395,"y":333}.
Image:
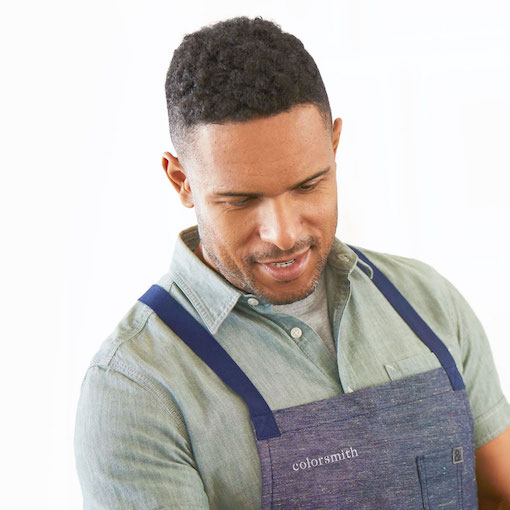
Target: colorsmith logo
{"x":327,"y":459}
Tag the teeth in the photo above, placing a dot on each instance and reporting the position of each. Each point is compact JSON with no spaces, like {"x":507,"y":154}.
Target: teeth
{"x":283,"y":264}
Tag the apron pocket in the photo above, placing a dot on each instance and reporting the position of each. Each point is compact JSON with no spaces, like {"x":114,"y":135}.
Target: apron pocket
{"x":440,"y":476}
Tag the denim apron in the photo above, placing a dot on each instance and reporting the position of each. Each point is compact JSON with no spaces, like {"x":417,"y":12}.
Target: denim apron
{"x":407,"y":444}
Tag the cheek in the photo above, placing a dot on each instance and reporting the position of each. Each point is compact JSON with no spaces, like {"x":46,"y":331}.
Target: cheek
{"x":231,"y":231}
{"x":322,"y":209}
{"x":330,"y":203}
{"x":236,"y":235}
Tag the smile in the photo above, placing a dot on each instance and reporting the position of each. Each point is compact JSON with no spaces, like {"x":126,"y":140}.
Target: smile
{"x":283,"y":264}
{"x":287,"y":270}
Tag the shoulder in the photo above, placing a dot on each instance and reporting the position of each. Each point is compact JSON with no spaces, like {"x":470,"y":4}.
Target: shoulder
{"x":128,"y":331}
{"x":397,"y":265}
{"x":140,"y":360}
{"x":416,"y":279}
{"x":139,"y":342}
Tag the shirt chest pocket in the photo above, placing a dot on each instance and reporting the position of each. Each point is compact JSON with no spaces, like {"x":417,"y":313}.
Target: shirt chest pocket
{"x":411,"y":366}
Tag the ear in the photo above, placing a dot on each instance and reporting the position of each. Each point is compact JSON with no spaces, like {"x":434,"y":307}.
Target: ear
{"x":178,"y":178}
{"x":337,"y":128}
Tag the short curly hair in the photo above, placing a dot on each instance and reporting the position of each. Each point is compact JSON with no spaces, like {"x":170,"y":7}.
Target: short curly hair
{"x":237,"y":70}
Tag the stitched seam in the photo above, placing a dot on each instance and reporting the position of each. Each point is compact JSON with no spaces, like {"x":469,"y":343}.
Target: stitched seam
{"x":426,"y":482}
{"x":452,"y":313}
{"x":489,"y":436}
{"x":493,"y":410}
{"x":196,"y":303}
{"x":460,"y":500}
{"x":369,"y":276}
{"x":469,"y":415}
{"x":225,"y":312}
{"x":272,"y":471}
{"x":145,"y":383}
{"x":368,"y":412}
{"x":212,"y":323}
{"x":423,"y":483}
{"x":107,"y":359}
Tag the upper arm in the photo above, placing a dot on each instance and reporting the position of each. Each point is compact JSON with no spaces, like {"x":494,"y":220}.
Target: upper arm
{"x":493,"y":468}
{"x":489,"y":406}
{"x":131,"y":450}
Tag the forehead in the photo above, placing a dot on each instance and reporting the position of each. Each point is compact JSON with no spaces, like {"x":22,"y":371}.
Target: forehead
{"x":262,"y":153}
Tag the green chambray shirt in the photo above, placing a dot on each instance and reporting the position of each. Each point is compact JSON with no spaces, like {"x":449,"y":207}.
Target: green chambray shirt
{"x":157,"y":429}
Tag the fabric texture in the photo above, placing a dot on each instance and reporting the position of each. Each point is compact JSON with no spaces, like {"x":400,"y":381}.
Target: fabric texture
{"x":157,"y":429}
{"x":313,"y":310}
{"x":388,"y":447}
{"x":397,"y":446}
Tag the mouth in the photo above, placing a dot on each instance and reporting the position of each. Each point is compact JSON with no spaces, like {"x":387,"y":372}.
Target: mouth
{"x":287,"y":270}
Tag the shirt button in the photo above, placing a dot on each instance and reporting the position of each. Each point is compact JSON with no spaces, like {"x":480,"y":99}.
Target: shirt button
{"x":296,"y":332}
{"x":253,"y":302}
{"x":344,"y":258}
{"x":349,"y":389}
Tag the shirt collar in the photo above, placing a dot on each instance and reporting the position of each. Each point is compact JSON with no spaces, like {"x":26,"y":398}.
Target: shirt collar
{"x":212,"y":296}
{"x":344,"y":259}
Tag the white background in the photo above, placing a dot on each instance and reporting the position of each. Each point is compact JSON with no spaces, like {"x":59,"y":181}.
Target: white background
{"x":89,"y":219}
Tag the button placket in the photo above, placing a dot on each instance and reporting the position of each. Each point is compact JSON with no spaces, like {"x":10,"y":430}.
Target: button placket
{"x":308,"y":341}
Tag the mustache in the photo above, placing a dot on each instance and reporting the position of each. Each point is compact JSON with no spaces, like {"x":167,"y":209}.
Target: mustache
{"x":276,"y":253}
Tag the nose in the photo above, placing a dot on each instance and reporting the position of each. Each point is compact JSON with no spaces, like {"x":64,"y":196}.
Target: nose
{"x":280,"y":223}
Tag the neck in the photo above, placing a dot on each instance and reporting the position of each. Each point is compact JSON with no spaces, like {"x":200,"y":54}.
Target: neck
{"x":203,"y":256}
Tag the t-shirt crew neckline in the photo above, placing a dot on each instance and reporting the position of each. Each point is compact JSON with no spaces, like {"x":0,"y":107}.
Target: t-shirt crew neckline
{"x":313,"y":301}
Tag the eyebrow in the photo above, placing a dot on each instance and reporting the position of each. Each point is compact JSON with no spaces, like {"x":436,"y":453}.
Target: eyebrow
{"x":255,"y":195}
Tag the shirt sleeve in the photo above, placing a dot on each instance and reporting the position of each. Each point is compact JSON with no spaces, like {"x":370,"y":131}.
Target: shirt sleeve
{"x":131,"y":450}
{"x":489,"y":407}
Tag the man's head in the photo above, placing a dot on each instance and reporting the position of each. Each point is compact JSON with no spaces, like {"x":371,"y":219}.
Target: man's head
{"x":251,"y":124}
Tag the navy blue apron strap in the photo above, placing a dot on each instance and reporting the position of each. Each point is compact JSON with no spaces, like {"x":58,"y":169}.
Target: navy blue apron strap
{"x":417,"y":324}
{"x":204,"y":345}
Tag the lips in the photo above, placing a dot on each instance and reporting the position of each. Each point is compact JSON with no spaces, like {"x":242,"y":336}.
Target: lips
{"x":295,"y":256}
{"x":286,"y":272}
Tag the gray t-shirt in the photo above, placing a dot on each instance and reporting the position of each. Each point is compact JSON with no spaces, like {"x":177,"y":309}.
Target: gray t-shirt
{"x":313,"y":310}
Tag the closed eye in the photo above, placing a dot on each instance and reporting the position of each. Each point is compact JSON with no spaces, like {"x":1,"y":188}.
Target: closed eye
{"x":303,"y":188}
{"x":240,"y":203}
{"x":307,"y":187}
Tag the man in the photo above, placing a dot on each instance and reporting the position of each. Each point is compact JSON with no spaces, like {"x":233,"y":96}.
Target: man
{"x":274,"y":365}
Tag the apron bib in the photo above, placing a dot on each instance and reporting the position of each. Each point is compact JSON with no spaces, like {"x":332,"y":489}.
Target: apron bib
{"x":407,"y":444}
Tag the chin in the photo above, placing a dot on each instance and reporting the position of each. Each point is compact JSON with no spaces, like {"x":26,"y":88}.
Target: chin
{"x":288,"y":297}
